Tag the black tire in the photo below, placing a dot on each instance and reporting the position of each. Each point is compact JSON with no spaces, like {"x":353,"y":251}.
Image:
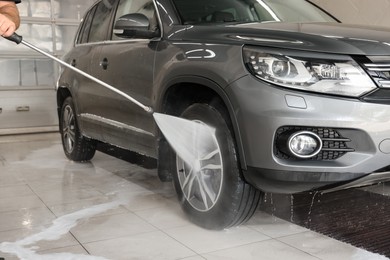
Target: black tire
{"x":76,"y":147}
{"x":215,"y":197}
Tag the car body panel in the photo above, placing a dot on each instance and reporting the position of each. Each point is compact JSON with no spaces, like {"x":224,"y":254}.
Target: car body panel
{"x":133,"y":60}
{"x":211,"y":56}
{"x":332,"y":38}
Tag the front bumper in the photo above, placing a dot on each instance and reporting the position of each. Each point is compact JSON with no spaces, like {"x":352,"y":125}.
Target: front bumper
{"x":261,"y":110}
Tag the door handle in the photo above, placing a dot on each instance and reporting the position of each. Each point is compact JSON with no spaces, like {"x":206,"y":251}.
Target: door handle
{"x":104,"y":63}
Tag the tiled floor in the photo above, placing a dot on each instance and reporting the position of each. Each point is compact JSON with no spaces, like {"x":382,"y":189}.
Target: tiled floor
{"x":51,"y":208}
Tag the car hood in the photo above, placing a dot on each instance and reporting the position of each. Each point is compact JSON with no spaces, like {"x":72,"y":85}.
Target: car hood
{"x":320,"y":37}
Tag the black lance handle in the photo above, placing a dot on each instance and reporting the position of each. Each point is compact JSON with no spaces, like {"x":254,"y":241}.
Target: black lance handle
{"x":16,"y":38}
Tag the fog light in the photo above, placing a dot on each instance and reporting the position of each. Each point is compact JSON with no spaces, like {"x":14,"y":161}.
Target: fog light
{"x":304,"y":144}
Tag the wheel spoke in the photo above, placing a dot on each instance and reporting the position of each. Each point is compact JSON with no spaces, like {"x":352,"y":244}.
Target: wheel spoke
{"x":212,"y":167}
{"x":189,"y":181}
{"x":209,"y":190}
{"x":72,"y":136}
{"x":203,"y":193}
{"x":68,"y":129}
{"x":210,"y":155}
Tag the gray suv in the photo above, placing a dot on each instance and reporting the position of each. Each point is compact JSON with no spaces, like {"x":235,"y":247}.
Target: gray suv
{"x":299,"y":101}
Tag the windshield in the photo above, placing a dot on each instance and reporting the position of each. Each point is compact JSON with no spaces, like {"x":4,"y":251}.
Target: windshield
{"x":244,"y":11}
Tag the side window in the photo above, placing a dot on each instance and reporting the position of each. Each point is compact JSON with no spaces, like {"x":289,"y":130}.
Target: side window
{"x":85,"y":27}
{"x":101,"y":21}
{"x":145,"y":7}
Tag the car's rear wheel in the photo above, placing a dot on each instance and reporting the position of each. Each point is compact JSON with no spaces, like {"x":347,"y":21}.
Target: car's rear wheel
{"x":213,"y":194}
{"x":76,"y":147}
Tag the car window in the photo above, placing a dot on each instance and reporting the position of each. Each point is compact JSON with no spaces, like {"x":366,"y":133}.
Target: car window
{"x":145,"y":7}
{"x":239,"y":11}
{"x":86,"y":26}
{"x":101,"y":20}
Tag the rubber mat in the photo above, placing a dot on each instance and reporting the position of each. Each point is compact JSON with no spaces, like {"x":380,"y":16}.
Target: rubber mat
{"x":354,"y":216}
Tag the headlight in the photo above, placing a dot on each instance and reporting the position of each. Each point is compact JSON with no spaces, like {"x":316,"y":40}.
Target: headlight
{"x":334,"y":74}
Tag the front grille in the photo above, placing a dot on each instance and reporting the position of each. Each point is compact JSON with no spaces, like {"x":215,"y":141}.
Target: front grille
{"x":379,"y":70}
{"x":334,"y":145}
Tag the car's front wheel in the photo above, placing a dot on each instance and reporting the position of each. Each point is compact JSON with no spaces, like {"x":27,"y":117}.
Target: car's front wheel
{"x":213,"y":193}
{"x":76,"y":147}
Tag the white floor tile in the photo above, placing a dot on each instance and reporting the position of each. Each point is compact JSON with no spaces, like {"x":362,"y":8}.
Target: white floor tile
{"x":148,"y":200}
{"x":152,"y":245}
{"x":25,"y":218}
{"x":75,"y":251}
{"x":205,"y":241}
{"x":15,"y":191}
{"x":109,"y":227}
{"x":55,"y":197}
{"x":265,"y":250}
{"x":19,"y":234}
{"x":165,"y":217}
{"x":66,"y":208}
{"x":327,"y":248}
{"x":17,"y":203}
{"x":273,"y":226}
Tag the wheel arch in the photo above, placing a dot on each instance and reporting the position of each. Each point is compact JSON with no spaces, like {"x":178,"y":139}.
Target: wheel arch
{"x":178,"y":92}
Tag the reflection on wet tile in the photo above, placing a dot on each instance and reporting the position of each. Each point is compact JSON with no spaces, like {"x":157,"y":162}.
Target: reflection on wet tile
{"x":198,"y":257}
{"x":270,"y":250}
{"x":152,"y":245}
{"x":273,"y":226}
{"x":163,"y":218}
{"x":54,"y":197}
{"x":71,"y":250}
{"x":327,"y":248}
{"x":108,"y":227}
{"x":66,"y":208}
{"x":147,"y":200}
{"x":16,"y":203}
{"x":205,"y":241}
{"x":15,"y":190}
{"x":25,"y":218}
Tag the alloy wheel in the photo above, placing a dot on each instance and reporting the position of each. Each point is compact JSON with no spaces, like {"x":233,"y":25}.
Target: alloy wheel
{"x":68,"y":129}
{"x":202,"y":182}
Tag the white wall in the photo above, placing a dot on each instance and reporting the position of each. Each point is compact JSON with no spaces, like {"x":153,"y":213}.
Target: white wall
{"x":369,"y":12}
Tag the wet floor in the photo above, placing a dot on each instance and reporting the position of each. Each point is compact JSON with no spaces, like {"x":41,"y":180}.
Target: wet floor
{"x":51,"y":208}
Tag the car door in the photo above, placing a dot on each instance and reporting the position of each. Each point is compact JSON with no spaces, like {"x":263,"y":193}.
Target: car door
{"x":127,"y":64}
{"x":92,"y":35}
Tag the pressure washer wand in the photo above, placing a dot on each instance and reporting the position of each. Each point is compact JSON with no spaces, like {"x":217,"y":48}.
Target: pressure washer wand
{"x":176,"y":130}
{"x":19,"y":39}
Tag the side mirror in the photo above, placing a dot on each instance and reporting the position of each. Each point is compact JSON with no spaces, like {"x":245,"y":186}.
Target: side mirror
{"x":134,"y":25}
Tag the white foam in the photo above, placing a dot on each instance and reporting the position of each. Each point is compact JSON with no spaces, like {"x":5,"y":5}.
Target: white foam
{"x":365,"y":255}
{"x":60,"y":227}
